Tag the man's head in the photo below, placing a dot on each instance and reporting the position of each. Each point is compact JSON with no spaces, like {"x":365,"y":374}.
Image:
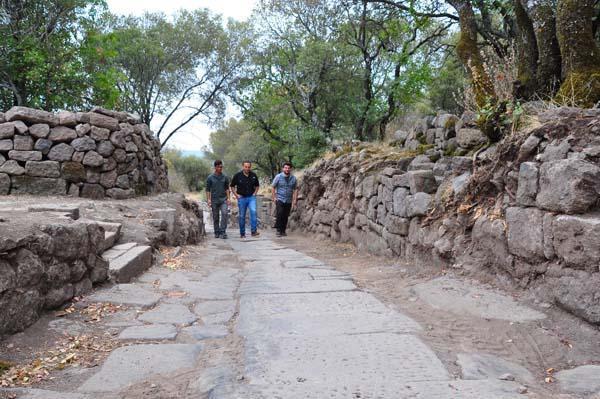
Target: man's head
{"x":287,"y":168}
{"x":246,"y":166}
{"x":218,"y":166}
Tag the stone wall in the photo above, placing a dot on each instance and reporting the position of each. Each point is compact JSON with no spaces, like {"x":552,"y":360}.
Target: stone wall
{"x":42,"y":265}
{"x":528,"y":214}
{"x":93,"y":154}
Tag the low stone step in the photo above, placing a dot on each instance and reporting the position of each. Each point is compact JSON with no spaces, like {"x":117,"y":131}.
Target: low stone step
{"x":110,"y":237}
{"x":122,"y":268}
{"x":71,"y":211}
{"x":112,"y":227}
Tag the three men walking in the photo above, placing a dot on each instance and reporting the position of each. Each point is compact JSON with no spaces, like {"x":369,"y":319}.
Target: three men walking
{"x":245,"y":185}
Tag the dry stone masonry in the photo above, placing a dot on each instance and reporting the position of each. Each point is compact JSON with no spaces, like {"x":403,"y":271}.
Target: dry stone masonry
{"x":94,"y":154}
{"x":528,"y":213}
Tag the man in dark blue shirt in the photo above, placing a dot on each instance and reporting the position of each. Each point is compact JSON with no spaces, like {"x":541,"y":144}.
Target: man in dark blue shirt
{"x":285,"y":195}
{"x":245,"y":185}
{"x":217,"y":196}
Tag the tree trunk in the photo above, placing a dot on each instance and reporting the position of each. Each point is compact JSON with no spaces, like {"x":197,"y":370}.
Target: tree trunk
{"x":580,"y":53}
{"x":468,"y":52}
{"x":527,"y":54}
{"x":549,"y":63}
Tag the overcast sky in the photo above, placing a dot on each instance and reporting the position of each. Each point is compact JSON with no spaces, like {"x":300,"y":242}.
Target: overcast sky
{"x":195,"y":135}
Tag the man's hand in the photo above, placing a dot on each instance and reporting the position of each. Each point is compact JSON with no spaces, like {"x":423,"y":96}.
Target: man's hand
{"x":209,"y":203}
{"x":293,"y":206}
{"x":228,"y":202}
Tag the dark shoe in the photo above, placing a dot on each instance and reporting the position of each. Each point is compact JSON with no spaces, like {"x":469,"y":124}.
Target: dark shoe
{"x":278,"y":234}
{"x":224,"y":236}
{"x":217,"y":235}
{"x":255,"y":234}
{"x":242,"y":235}
{"x":283,"y":234}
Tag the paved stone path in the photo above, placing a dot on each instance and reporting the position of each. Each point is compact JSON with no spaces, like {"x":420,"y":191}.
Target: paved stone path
{"x":254,"y":319}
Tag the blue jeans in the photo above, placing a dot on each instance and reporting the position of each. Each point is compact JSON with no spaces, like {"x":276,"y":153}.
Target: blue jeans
{"x":243,"y":204}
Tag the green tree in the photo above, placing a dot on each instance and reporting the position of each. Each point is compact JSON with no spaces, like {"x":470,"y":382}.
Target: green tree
{"x":193,"y":169}
{"x":42,"y":62}
{"x":179,"y":68}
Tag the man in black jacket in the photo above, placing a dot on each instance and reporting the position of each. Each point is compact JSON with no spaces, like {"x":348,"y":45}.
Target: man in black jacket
{"x":245,"y":186}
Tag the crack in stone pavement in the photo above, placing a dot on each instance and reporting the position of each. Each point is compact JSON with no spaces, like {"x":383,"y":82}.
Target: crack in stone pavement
{"x":260,"y":320}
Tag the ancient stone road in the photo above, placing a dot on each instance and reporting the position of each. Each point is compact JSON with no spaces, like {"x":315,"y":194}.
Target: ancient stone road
{"x":254,"y":319}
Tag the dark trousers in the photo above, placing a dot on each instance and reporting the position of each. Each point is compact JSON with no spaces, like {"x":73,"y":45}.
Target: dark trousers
{"x":220,"y":216}
{"x":282,"y":213}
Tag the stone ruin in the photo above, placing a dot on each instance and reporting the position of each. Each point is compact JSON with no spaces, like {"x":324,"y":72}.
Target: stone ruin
{"x":524,"y":210}
{"x":94,"y":154}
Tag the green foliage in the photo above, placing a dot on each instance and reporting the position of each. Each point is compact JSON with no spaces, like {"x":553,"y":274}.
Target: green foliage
{"x":447,"y":85}
{"x":42,"y":63}
{"x":190,"y":169}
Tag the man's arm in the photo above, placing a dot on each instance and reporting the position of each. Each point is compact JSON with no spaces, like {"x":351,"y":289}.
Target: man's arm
{"x":274,"y":188}
{"x":257,"y":186}
{"x":233,"y":186}
{"x":208,"y":188}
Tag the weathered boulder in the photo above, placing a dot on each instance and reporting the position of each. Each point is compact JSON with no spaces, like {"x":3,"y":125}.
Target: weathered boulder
{"x":22,"y":143}
{"x":61,"y":152}
{"x":397,"y":225}
{"x":99,"y":133}
{"x":25,"y":156}
{"x":83,"y":144}
{"x":528,"y":183}
{"x":83,"y":129}
{"x":488,"y":237}
{"x":96,"y":119}
{"x":4,"y":185}
{"x":399,"y":201}
{"x":468,"y":138}
{"x":525,"y":235}
{"x":60,"y":134}
{"x":528,"y":147}
{"x":31,"y":115}
{"x":12,"y":168}
{"x":119,"y":193}
{"x":576,"y":240}
{"x":422,"y":181}
{"x":38,"y":185}
{"x":43,"y":146}
{"x":568,"y":186}
{"x":123,"y":181}
{"x":43,"y":168}
{"x":94,"y":191}
{"x":108,"y":179}
{"x":6,"y":145}
{"x":92,"y":158}
{"x":418,"y":204}
{"x":73,"y":172}
{"x":7,"y":130}
{"x":580,"y":297}
{"x":67,"y":118}
{"x":105,"y":148}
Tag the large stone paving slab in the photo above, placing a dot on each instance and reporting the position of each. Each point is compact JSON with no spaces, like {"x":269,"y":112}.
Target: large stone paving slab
{"x":325,"y":325}
{"x":580,"y":380}
{"x":133,"y":364}
{"x":392,"y":389}
{"x":340,"y":302}
{"x":461,"y":297}
{"x":369,"y":359}
{"x":149,"y":332}
{"x":287,"y":286}
{"x":215,"y":312}
{"x":127,"y":294}
{"x":168,"y":313}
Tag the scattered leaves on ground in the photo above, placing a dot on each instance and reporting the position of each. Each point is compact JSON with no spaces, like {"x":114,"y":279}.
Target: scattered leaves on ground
{"x":174,"y":258}
{"x":94,"y":312}
{"x":80,"y":351}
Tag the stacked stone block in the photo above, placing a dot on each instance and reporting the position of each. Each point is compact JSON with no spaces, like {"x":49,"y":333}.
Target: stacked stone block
{"x":541,"y":230}
{"x":94,"y":154}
